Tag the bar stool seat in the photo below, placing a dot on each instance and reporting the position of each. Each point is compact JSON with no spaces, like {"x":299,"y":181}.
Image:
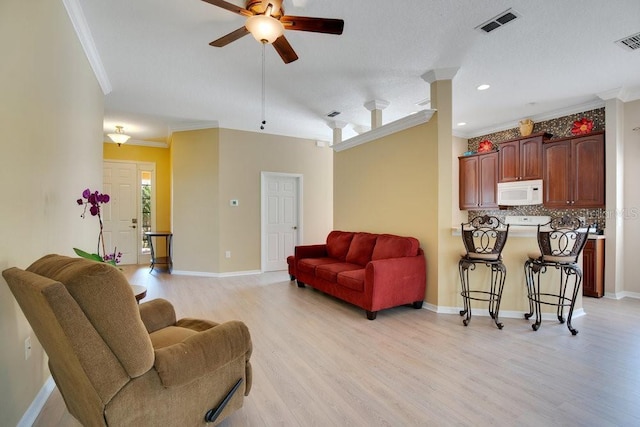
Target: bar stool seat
{"x":560,"y":241}
{"x":484,"y":238}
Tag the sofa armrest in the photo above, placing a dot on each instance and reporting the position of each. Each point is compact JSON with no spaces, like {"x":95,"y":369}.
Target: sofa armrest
{"x":157,"y":314}
{"x":311,"y":251}
{"x":202,"y":353}
{"x":394,"y":281}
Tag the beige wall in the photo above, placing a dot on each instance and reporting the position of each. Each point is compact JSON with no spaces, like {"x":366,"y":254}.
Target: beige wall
{"x":195,"y":190}
{"x":631,"y":210}
{"x":223,"y":164}
{"x":51,"y":119}
{"x":390,"y":186}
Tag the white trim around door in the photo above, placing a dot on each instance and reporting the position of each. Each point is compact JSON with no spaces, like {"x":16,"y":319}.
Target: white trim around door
{"x":267,"y":178}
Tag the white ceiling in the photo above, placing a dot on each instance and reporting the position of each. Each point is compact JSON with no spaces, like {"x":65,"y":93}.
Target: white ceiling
{"x":164,"y":76}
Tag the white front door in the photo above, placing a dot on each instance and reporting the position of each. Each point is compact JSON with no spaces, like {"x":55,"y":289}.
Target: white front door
{"x":280,"y":219}
{"x":120,"y":215}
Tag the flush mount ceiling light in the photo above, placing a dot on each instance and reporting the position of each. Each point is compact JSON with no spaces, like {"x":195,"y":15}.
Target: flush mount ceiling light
{"x":483,"y":87}
{"x":264,"y":28}
{"x":119,"y":137}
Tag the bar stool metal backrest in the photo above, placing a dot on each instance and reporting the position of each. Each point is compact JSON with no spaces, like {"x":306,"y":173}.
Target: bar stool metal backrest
{"x":484,"y":238}
{"x":562,"y":240}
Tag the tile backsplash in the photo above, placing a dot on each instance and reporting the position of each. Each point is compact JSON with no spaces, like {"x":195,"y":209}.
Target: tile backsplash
{"x":559,"y":128}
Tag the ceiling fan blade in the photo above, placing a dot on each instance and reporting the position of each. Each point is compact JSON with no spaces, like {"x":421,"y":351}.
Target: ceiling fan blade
{"x":231,"y":37}
{"x":230,"y":7}
{"x":285,"y":50}
{"x":316,"y":25}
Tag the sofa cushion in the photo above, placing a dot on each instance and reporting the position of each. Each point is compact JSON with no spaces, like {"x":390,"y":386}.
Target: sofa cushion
{"x":330,"y":272}
{"x":361,"y":248}
{"x":353,"y":279}
{"x":338,"y":243}
{"x":308,"y":265}
{"x":390,"y":246}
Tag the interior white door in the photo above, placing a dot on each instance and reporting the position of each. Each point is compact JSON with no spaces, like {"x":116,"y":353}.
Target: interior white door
{"x":120,"y":215}
{"x":281,"y":220}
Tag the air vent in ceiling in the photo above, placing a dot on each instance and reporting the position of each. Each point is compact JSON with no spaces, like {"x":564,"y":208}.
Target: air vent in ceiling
{"x":630,"y":43}
{"x":333,"y":113}
{"x":498,"y":21}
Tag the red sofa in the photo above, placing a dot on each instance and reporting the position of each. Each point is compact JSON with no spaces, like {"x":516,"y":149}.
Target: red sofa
{"x":371,"y":271}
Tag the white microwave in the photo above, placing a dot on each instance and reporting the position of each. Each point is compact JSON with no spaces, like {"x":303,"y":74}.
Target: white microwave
{"x":518,"y":193}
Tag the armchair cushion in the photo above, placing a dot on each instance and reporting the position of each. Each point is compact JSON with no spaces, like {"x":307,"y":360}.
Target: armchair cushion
{"x":202,"y":352}
{"x":157,"y":314}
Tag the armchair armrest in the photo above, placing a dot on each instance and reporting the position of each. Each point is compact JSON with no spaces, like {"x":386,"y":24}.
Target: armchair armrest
{"x":311,"y":251}
{"x":202,"y":353}
{"x":157,"y":314}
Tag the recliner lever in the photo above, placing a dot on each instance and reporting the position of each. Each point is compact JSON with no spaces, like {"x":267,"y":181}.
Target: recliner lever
{"x":214,"y":413}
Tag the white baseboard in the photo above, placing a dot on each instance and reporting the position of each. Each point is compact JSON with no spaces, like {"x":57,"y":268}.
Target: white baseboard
{"x":623,"y":294}
{"x":36,"y":406}
{"x":210,"y":274}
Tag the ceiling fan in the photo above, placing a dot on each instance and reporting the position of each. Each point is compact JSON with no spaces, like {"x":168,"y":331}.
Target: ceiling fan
{"x":266,"y":21}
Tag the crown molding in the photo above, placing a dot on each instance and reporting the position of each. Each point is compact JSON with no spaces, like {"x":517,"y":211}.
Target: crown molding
{"x":140,"y":142}
{"x":79,"y":22}
{"x":579,"y":108}
{"x":440,"y":74}
{"x":197,"y":125}
{"x":410,"y":121}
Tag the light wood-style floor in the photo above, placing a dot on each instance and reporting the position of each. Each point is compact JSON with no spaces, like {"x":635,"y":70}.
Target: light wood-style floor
{"x":319,"y":362}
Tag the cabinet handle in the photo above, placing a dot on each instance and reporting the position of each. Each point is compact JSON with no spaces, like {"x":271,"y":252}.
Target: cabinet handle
{"x":568,"y":202}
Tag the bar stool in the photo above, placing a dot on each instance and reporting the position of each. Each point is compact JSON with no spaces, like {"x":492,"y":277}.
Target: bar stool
{"x":484,"y":238}
{"x":560,"y":241}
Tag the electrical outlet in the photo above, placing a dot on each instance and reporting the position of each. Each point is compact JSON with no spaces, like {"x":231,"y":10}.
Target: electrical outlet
{"x":27,"y":348}
{"x":227,"y":254}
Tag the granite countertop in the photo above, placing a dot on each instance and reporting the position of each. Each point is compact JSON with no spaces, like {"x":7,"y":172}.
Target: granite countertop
{"x":526,"y":231}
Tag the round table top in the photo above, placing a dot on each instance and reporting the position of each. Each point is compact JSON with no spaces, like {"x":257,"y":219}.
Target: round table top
{"x":139,"y":291}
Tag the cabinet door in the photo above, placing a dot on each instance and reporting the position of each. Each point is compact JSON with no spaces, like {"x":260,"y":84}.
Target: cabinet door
{"x":488,"y":180}
{"x":588,"y":172}
{"x":556,"y":174}
{"x":508,"y":161}
{"x":593,"y":268}
{"x":530,"y":158}
{"x":469,"y":185}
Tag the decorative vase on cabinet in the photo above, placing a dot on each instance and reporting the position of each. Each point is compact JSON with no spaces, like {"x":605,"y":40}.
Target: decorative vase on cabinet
{"x":526,"y":127}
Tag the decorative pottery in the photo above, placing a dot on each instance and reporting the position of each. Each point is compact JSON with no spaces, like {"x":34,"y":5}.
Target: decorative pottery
{"x":526,"y":127}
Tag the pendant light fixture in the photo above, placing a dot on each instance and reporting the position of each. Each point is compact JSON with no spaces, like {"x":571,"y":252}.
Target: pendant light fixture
{"x":119,"y":137}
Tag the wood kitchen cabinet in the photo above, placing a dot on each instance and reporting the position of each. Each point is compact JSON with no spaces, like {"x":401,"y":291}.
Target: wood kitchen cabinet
{"x":521,"y":159}
{"x":573,"y":172}
{"x":478,"y":180}
{"x":593,"y":268}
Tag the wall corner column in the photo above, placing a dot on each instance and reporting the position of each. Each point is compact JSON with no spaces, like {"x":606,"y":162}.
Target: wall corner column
{"x":441,"y":84}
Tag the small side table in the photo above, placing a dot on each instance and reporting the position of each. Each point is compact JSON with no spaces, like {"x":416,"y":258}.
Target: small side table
{"x":168,"y":236}
{"x":139,"y":291}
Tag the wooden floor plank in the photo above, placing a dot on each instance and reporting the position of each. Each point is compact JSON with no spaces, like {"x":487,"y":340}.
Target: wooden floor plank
{"x":318,"y":361}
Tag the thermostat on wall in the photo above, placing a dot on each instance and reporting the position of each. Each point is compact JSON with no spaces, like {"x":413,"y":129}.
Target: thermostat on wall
{"x":233,"y":202}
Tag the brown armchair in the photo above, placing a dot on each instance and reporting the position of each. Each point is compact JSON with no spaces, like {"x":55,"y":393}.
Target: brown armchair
{"x":117,"y":363}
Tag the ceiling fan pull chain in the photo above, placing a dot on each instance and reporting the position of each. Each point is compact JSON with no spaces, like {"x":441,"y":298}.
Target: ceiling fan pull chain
{"x":264,"y":121}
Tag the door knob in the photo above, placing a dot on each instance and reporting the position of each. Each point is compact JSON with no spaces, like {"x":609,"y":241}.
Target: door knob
{"x":294,"y":227}
{"x":132,"y":226}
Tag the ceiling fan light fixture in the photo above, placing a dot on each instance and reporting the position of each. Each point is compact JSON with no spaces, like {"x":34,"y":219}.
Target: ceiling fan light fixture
{"x":264,"y":28}
{"x":119,"y":137}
